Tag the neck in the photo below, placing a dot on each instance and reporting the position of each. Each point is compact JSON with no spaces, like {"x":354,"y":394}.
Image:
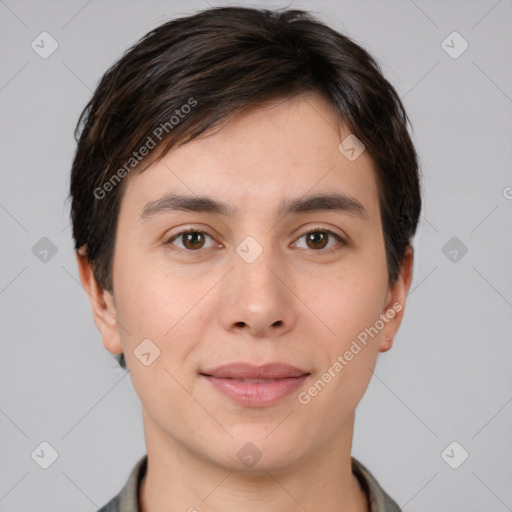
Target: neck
{"x":179,"y":480}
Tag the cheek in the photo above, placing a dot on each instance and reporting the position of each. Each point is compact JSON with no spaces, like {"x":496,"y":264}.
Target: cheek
{"x":155,"y":307}
{"x":351,"y":306}
{"x":149,"y":299}
{"x":352,"y":301}
{"x":347,"y":357}
{"x":165,"y":306}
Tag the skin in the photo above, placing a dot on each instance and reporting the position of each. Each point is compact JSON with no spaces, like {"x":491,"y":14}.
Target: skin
{"x":297,"y":303}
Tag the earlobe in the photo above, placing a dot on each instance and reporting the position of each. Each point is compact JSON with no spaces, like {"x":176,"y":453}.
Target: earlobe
{"x":102,"y":305}
{"x":388,"y":343}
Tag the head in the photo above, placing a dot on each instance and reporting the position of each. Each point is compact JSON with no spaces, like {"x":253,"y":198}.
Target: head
{"x":248,"y":108}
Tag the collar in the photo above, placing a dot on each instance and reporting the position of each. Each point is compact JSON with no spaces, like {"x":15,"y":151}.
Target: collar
{"x":128,"y":498}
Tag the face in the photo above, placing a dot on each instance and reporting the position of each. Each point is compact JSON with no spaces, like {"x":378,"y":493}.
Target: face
{"x":263,"y":275}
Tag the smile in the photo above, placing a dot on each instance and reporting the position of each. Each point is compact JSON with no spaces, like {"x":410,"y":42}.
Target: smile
{"x":255,"y":386}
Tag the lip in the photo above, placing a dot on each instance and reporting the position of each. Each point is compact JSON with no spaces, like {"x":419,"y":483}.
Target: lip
{"x":255,"y":386}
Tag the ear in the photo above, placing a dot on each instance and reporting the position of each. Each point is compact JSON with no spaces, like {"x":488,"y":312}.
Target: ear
{"x":102,"y":305}
{"x":395,"y":302}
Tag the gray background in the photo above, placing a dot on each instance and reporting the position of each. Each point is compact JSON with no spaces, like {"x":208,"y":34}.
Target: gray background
{"x":448,"y":375}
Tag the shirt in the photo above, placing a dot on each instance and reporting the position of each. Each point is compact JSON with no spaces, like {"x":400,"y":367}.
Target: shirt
{"x":128,"y":498}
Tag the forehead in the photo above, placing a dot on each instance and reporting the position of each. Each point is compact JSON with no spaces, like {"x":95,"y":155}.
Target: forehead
{"x":269,"y":153}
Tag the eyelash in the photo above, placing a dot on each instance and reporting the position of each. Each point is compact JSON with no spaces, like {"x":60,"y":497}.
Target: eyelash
{"x":330,"y":233}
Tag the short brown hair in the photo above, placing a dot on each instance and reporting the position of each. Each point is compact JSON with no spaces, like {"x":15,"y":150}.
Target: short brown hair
{"x":218,"y":62}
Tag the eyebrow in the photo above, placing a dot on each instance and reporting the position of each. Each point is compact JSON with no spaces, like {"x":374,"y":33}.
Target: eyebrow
{"x":179,"y":202}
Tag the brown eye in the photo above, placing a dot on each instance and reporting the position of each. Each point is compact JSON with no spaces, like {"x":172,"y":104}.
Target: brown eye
{"x":191,"y":240}
{"x":317,"y":239}
{"x":320,"y":239}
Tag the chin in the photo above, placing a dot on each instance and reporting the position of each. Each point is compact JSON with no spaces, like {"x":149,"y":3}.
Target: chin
{"x":252,"y":451}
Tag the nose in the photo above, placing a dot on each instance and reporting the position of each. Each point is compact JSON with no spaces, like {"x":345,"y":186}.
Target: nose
{"x":256,"y":298}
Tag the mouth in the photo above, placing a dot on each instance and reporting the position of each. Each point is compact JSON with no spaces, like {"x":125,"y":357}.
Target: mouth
{"x":255,"y":386}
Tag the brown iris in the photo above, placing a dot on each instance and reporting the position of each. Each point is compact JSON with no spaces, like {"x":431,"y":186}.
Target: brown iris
{"x":193,"y":240}
{"x":317,"y":238}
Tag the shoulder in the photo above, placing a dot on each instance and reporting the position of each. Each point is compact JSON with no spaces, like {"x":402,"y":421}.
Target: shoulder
{"x":112,"y":506}
{"x":378,"y":499}
{"x":128,"y":498}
